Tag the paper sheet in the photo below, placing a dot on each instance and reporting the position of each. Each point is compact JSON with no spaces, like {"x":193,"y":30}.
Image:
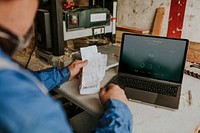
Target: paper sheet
{"x":94,"y":72}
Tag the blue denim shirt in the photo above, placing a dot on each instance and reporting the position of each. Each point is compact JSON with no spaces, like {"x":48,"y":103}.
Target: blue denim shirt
{"x":25,"y":108}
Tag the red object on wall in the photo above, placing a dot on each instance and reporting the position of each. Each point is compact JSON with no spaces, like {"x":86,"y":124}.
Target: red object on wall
{"x":176,"y":18}
{"x":68,"y":5}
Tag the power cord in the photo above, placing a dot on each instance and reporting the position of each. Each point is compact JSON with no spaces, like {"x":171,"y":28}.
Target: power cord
{"x":30,"y":56}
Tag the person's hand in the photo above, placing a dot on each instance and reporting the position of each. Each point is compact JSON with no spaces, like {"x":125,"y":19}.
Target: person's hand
{"x":75,"y":68}
{"x":113,"y":92}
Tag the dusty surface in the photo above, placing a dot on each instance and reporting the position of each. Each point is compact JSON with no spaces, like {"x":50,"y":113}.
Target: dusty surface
{"x":71,"y":48}
{"x":35,"y":63}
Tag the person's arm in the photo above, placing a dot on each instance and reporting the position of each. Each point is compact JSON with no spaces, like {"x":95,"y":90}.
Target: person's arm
{"x":54,"y":77}
{"x":117,"y":118}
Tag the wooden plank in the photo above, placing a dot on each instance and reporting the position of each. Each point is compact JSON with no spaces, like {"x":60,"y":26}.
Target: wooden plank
{"x":119,"y":35}
{"x":194,"y":52}
{"x":126,"y":29}
{"x":132,"y":30}
{"x":157,"y":26}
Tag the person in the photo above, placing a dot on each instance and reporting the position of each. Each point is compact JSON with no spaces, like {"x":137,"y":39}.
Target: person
{"x":25,"y":105}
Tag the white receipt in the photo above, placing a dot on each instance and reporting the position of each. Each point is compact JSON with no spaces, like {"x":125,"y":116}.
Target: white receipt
{"x":94,"y":72}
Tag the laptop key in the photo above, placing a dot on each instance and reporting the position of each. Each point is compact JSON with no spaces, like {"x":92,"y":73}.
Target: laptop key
{"x":146,"y":86}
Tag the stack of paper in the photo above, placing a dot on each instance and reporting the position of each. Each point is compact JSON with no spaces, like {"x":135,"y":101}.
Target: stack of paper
{"x":94,"y":72}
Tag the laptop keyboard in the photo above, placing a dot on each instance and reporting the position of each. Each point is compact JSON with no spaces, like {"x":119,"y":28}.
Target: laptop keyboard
{"x":146,"y":86}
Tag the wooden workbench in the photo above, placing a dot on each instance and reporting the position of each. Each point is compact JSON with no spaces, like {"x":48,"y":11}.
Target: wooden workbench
{"x":147,"y":118}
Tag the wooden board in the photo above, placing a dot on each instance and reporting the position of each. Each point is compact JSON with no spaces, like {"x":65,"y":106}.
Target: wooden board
{"x":126,"y":29}
{"x":194,"y":52}
{"x":132,"y":29}
{"x":158,"y":22}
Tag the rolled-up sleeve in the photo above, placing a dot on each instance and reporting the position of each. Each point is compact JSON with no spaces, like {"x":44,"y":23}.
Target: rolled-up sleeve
{"x":117,"y":118}
{"x":53,"y":77}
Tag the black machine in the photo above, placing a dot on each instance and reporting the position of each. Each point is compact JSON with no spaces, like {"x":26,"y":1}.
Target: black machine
{"x":57,"y":22}
{"x":86,"y":17}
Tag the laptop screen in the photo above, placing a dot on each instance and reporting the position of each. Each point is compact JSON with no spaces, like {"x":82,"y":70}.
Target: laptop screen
{"x":153,"y":57}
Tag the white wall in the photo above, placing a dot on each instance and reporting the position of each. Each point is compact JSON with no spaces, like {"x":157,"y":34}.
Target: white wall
{"x":140,"y":14}
{"x":191,"y":27}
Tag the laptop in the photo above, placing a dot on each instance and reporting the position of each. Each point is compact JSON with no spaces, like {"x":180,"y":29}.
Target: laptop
{"x":151,"y":69}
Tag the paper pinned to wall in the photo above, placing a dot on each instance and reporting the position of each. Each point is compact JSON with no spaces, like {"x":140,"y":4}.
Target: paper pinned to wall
{"x":94,"y":72}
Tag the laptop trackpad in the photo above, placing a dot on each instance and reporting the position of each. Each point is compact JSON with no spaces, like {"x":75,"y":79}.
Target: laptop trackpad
{"x":140,"y":95}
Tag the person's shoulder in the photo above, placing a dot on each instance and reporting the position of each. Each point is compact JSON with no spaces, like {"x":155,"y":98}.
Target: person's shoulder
{"x":23,"y":103}
{"x":11,"y":76}
{"x":13,"y":81}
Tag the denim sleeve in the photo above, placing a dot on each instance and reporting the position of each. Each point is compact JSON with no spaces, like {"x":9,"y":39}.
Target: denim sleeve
{"x":53,"y":77}
{"x":117,"y":118}
{"x":25,"y":109}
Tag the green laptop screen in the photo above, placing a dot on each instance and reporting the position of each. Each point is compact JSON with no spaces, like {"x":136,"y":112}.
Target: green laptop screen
{"x":153,"y":57}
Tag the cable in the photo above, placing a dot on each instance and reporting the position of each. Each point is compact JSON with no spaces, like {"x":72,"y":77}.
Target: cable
{"x":103,"y":4}
{"x":30,"y":56}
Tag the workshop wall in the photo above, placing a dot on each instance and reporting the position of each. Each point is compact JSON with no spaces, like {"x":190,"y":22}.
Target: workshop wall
{"x":141,"y":13}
